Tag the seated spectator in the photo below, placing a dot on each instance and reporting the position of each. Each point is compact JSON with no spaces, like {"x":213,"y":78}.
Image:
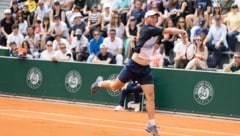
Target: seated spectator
{"x":15,"y":36}
{"x":115,"y":46}
{"x":106,"y":18}
{"x":78,"y":24}
{"x":14,"y":9}
{"x":94,"y":20}
{"x":57,"y":11}
{"x":138,"y":12}
{"x":48,"y":53}
{"x":60,"y":28}
{"x":63,"y":54}
{"x":47,"y":31}
{"x":157,"y":58}
{"x":22,"y":24}
{"x":6,"y":26}
{"x":71,"y":14}
{"x":200,"y":58}
{"x":115,"y":23}
{"x":122,"y":7}
{"x":58,"y":40}
{"x":216,"y":40}
{"x":180,"y":60}
{"x":131,"y":87}
{"x":41,"y":11}
{"x":233,"y":26}
{"x":13,"y":49}
{"x":132,"y":32}
{"x":80,"y":46}
{"x":234,"y":66}
{"x":94,"y":45}
{"x":25,"y":45}
{"x":103,"y":57}
{"x":34,"y":41}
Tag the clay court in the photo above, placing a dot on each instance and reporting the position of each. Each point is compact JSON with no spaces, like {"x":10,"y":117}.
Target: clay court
{"x":24,"y":117}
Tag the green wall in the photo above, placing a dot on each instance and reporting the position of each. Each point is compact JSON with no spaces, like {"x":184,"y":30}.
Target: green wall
{"x":175,"y":90}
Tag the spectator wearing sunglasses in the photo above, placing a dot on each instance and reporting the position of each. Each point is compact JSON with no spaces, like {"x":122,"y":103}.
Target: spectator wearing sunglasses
{"x":48,"y":53}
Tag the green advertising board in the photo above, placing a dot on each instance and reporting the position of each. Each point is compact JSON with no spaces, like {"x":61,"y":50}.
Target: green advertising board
{"x":201,"y":92}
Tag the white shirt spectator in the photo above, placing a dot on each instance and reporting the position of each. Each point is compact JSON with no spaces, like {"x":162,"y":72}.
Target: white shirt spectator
{"x":62,"y":40}
{"x":46,"y":55}
{"x":61,"y":27}
{"x":113,"y":46}
{"x":180,"y":48}
{"x":40,"y":13}
{"x":79,"y":44}
{"x":62,"y":56}
{"x":23,"y":27}
{"x":18,"y":39}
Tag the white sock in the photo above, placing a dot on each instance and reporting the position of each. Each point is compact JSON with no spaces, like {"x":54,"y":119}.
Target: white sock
{"x":99,"y":84}
{"x":152,"y":122}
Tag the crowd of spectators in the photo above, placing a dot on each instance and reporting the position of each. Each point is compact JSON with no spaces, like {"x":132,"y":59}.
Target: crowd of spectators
{"x":106,"y":31}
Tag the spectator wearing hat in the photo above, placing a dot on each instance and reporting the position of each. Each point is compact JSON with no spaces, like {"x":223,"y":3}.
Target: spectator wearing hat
{"x":233,"y":26}
{"x":104,"y":56}
{"x":41,"y":11}
{"x":15,"y":36}
{"x":80,"y":46}
{"x":57,"y":11}
{"x":94,"y":45}
{"x":115,"y":46}
{"x":78,"y":24}
{"x":58,"y":40}
{"x":109,"y":3}
{"x":216,"y":40}
{"x":94,"y":20}
{"x":70,"y":15}
{"x":6,"y":26}
{"x":60,"y":28}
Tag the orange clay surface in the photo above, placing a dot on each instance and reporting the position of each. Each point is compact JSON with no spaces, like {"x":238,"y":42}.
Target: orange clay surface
{"x":20,"y":117}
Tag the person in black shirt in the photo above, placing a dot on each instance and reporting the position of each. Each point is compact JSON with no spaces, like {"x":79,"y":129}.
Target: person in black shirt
{"x":103,"y":57}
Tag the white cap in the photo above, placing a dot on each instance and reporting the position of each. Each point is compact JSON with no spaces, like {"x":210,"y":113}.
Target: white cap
{"x":77,"y":15}
{"x":106,"y":5}
{"x":78,"y":32}
{"x":102,"y":46}
{"x":151,"y":13}
{"x":7,"y":11}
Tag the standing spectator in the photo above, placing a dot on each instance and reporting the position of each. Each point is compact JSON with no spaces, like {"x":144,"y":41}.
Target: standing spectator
{"x":63,"y":54}
{"x":48,"y":53}
{"x":180,"y":60}
{"x":41,"y":11}
{"x":15,"y":36}
{"x":115,"y":46}
{"x":234,"y":66}
{"x":6,"y":26}
{"x":123,"y":7}
{"x":138,"y":12}
{"x":131,"y":87}
{"x":103,"y":57}
{"x":216,"y":40}
{"x":57,"y":11}
{"x":94,"y":45}
{"x":34,"y":41}
{"x":94,"y":20}
{"x":79,"y":46}
{"x":200,"y":59}
{"x":58,"y":40}
{"x":60,"y":28}
{"x":116,"y":24}
{"x":22,"y":24}
{"x":233,"y":26}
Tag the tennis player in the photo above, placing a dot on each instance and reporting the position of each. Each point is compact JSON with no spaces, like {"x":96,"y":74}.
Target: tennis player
{"x":138,"y":67}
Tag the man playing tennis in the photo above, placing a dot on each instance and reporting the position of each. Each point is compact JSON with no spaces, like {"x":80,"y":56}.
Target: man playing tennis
{"x":138,"y":67}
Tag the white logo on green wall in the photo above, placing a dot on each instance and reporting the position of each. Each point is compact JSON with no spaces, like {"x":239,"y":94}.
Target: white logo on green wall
{"x":203,"y":92}
{"x":34,"y":78}
{"x":110,"y":92}
{"x":73,"y":81}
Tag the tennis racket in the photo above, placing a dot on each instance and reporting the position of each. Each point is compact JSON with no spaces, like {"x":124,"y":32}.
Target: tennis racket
{"x":190,"y":51}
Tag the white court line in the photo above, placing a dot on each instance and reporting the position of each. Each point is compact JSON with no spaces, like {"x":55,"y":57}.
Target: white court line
{"x":116,"y":121}
{"x":83,"y":123}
